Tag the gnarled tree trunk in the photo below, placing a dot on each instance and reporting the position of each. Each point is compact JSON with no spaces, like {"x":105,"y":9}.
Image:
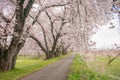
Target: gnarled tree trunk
{"x":8,"y":55}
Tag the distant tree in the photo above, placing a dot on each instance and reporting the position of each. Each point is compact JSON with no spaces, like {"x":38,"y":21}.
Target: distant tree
{"x":56,"y":31}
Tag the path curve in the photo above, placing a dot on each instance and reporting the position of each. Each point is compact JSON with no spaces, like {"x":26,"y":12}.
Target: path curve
{"x":56,"y":71}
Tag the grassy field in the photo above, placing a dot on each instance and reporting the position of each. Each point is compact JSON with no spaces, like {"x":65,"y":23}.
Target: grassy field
{"x":79,"y":70}
{"x":112,"y":70}
{"x":25,"y":66}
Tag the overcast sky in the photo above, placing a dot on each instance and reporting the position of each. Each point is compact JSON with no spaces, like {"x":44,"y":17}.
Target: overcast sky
{"x":105,"y":37}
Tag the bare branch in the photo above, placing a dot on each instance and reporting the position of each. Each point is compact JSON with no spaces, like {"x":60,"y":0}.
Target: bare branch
{"x":4,"y":18}
{"x":39,"y":43}
{"x":51,"y":22}
{"x":13,"y":2}
{"x":28,"y":8}
{"x":44,"y":33}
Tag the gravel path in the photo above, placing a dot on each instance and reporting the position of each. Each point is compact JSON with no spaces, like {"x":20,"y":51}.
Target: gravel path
{"x":55,"y":71}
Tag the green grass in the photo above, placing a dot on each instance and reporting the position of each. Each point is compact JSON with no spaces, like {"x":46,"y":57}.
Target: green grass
{"x":80,"y":71}
{"x":25,"y":66}
{"x":112,"y":69}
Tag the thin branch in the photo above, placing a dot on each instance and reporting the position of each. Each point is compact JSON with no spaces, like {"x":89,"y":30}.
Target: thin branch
{"x":13,"y":16}
{"x":113,"y":58}
{"x":51,"y":22}
{"x":4,"y":18}
{"x":13,"y":2}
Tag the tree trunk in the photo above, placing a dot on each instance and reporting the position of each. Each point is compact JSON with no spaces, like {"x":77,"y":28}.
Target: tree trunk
{"x":14,"y":57}
{"x":57,"y":52}
{"x":5,"y":60}
{"x":49,"y":55}
{"x":8,"y":55}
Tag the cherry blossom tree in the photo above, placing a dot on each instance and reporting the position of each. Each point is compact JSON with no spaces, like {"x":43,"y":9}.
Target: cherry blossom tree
{"x":55,"y":25}
{"x":11,"y":41}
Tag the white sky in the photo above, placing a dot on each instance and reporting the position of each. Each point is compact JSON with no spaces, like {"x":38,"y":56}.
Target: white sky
{"x":105,"y":37}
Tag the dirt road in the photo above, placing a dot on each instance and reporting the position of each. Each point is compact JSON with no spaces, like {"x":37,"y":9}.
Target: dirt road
{"x":55,"y":71}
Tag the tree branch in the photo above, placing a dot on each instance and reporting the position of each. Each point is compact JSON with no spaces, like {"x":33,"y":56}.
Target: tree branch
{"x":51,"y":22}
{"x":28,"y":8}
{"x":39,"y":43}
{"x":4,"y":18}
{"x":47,"y":7}
{"x":44,"y":33}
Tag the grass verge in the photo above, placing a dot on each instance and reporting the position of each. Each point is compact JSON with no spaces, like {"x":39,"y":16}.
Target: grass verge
{"x":25,"y":66}
{"x":111,"y":70}
{"x":80,"y":71}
